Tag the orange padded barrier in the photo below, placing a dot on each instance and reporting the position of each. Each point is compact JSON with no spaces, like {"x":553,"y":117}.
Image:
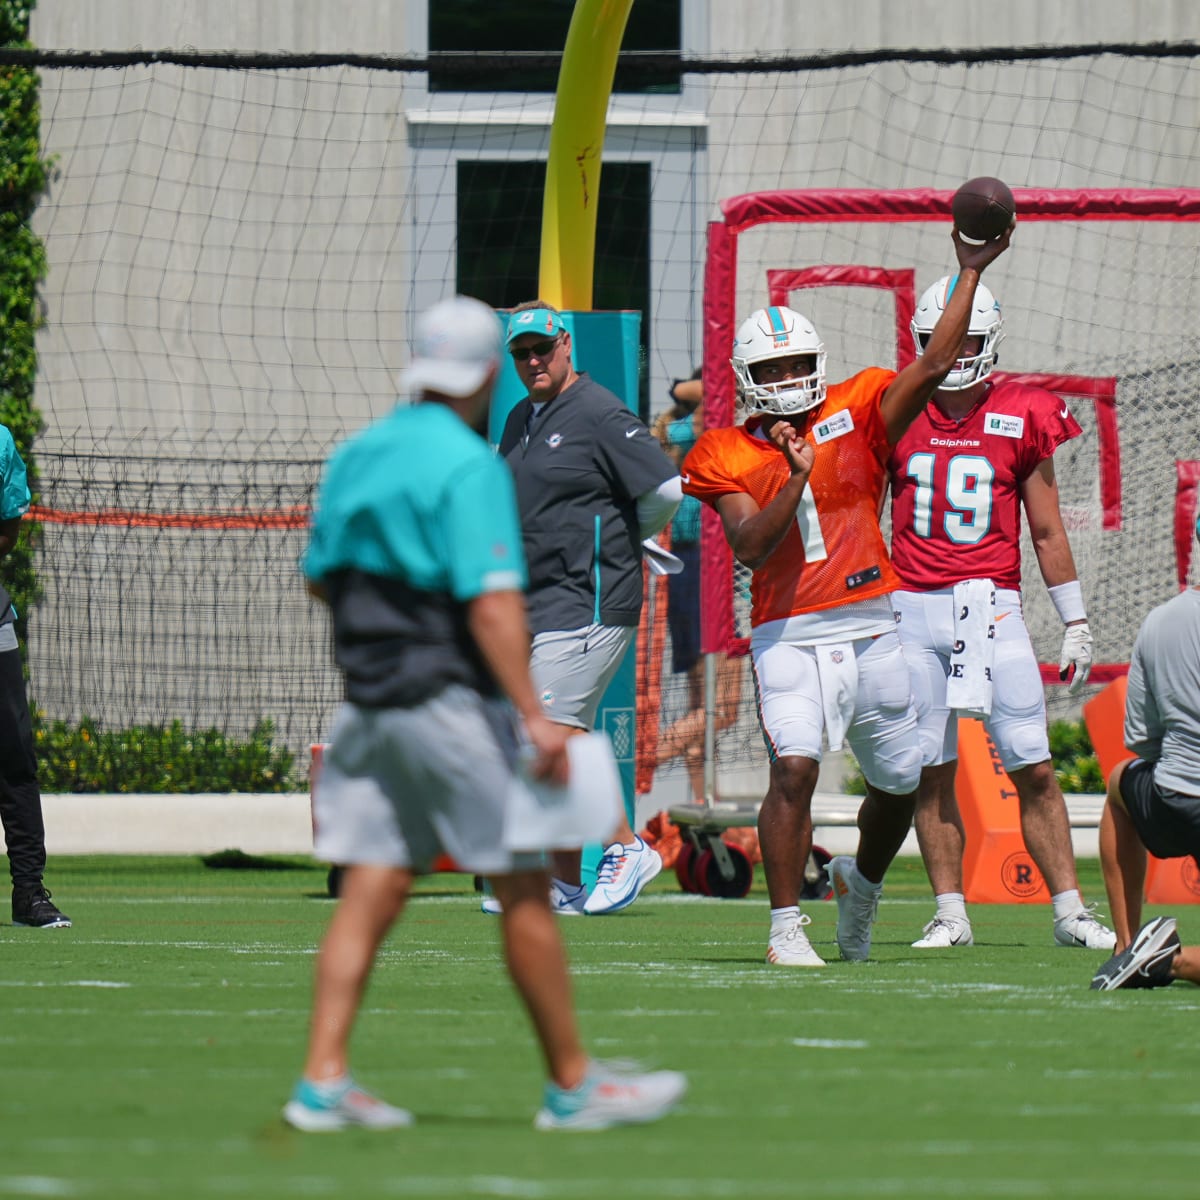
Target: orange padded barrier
{"x":997,"y":869}
{"x":1104,"y":716}
{"x":1172,"y":881}
{"x":1168,"y":880}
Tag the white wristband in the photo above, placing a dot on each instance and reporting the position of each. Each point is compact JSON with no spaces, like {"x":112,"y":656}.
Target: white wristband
{"x":1068,"y":599}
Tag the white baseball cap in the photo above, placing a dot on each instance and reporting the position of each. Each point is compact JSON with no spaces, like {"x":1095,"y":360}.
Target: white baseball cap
{"x":457,"y":344}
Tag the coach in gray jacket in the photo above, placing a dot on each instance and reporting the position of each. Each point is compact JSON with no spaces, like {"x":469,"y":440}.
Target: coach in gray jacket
{"x":591,"y":484}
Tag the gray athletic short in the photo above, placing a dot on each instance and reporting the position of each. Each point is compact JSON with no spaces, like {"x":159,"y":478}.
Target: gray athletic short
{"x":571,"y":669}
{"x":1167,"y":822}
{"x":400,"y":786}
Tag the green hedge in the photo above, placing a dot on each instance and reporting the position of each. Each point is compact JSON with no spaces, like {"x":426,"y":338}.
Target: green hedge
{"x":1074,"y":758}
{"x":1071,"y":752}
{"x":160,"y":759}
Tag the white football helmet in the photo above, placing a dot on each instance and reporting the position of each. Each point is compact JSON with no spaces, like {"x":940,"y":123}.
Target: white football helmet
{"x":777,"y":332}
{"x":986,"y":322}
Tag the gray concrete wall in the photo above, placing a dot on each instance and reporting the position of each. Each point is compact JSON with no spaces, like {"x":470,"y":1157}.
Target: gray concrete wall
{"x":722,"y":26}
{"x":268,"y":25}
{"x":804,"y":27}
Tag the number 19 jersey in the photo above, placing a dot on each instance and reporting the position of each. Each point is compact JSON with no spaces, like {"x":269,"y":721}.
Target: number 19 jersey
{"x":956,"y":485}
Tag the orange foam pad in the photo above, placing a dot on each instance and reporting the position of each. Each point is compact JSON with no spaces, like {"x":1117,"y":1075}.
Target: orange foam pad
{"x":997,"y":869}
{"x":1168,"y":880}
{"x":1104,"y":716}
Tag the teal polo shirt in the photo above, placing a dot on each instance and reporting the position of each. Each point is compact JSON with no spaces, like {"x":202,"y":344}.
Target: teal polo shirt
{"x":415,"y":518}
{"x":14,"y":485}
{"x":418,"y":496}
{"x":14,"y":502}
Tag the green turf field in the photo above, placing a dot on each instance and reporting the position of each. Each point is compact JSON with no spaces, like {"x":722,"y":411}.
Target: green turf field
{"x":147,"y":1051}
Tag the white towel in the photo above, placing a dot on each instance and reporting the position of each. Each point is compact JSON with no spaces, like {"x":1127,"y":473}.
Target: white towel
{"x":837,"y":668}
{"x":969,"y":686}
{"x":659,"y":560}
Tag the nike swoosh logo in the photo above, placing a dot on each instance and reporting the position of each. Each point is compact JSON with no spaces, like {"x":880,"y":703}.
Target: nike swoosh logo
{"x":1066,"y":412}
{"x":630,"y":432}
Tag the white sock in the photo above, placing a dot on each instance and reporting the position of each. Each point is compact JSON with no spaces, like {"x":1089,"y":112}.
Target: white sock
{"x":1066,"y":903}
{"x":781,"y":918}
{"x":952,"y":904}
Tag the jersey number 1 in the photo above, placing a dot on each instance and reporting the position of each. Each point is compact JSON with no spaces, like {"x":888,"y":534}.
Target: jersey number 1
{"x":809,"y":521}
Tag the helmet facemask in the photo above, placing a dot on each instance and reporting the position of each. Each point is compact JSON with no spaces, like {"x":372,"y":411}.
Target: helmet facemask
{"x":772,"y":333}
{"x":986,"y":323}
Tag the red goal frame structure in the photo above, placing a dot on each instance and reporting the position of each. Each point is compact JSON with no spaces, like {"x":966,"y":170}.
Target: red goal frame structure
{"x":741,"y":213}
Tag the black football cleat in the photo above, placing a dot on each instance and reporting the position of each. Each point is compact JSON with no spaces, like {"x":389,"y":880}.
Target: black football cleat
{"x":1146,"y":963}
{"x":32,"y":906}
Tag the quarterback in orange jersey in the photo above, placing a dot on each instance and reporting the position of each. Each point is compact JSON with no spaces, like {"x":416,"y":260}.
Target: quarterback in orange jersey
{"x":797,"y":488}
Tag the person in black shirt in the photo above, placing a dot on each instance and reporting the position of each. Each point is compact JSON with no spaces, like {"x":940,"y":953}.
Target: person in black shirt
{"x":592,"y":483}
{"x":20,"y":796}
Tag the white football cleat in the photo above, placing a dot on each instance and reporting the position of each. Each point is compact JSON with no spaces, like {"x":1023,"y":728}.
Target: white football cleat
{"x":856,"y":912}
{"x":790,"y":947}
{"x":314,"y":1108}
{"x":943,"y":932}
{"x":565,"y":900}
{"x":621,"y":875}
{"x":611,"y":1095}
{"x":1082,"y":929}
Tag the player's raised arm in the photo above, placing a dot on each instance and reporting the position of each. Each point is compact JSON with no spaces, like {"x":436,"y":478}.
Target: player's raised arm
{"x":913,"y":387}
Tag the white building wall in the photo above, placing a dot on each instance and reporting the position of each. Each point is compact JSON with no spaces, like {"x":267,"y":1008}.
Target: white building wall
{"x":235,"y":258}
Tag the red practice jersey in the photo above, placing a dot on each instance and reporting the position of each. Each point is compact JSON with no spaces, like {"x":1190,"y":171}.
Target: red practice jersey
{"x":956,"y":485}
{"x":833,"y":553}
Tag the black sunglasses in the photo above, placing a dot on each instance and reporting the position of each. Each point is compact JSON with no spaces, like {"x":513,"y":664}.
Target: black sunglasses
{"x":538,"y":349}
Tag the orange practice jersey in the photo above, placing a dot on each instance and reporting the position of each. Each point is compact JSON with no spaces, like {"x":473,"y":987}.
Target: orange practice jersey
{"x":845,"y":485}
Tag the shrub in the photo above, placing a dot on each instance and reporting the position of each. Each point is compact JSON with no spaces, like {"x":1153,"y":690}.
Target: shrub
{"x":160,"y":759}
{"x":1074,"y":759}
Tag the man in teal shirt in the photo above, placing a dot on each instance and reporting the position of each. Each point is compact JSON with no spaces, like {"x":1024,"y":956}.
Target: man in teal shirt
{"x":416,"y":548}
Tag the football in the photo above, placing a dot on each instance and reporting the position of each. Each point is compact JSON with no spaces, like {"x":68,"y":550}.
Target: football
{"x":983,"y":208}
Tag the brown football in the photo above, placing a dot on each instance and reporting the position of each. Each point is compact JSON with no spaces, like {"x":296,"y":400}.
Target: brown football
{"x":983,"y":208}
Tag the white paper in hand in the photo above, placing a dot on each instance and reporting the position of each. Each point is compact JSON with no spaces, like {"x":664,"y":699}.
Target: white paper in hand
{"x":542,"y":816}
